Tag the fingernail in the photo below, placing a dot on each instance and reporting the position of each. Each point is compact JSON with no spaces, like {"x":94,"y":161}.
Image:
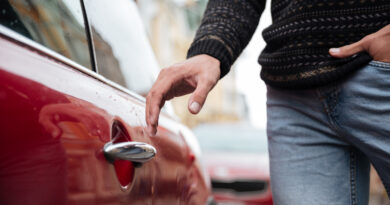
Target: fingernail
{"x":335,"y":50}
{"x":195,"y":107}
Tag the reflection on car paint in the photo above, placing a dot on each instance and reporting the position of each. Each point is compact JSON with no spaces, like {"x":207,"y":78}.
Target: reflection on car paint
{"x":54,"y":122}
{"x":68,"y":136}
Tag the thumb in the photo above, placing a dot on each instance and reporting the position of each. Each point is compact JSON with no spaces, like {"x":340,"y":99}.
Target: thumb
{"x":347,"y":51}
{"x":199,"y":96}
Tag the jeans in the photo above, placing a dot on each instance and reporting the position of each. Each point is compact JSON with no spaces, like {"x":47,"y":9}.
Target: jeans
{"x":321,"y":140}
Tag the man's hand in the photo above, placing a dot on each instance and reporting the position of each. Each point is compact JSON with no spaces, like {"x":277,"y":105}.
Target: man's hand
{"x":198,"y":74}
{"x":376,"y":44}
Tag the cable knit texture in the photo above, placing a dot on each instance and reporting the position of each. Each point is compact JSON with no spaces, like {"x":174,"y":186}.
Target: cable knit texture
{"x":296,"y":55}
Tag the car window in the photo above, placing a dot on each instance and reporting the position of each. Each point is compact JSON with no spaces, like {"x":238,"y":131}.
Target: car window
{"x":56,"y":24}
{"x":123,"y":53}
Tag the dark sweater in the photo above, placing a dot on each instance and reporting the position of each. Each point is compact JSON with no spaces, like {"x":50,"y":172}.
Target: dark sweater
{"x":296,"y":55}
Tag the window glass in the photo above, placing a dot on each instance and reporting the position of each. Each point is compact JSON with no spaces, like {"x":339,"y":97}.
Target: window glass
{"x":56,"y":24}
{"x":230,"y":138}
{"x":123,"y":53}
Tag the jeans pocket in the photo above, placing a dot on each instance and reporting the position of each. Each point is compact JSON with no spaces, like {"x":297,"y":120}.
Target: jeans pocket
{"x":380,"y":64}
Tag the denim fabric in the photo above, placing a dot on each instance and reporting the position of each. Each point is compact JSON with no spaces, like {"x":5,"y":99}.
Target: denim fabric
{"x":322,"y":140}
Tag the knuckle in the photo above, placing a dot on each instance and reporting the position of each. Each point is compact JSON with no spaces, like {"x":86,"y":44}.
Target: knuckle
{"x":156,"y":99}
{"x":209,"y":81}
{"x":154,"y":94}
{"x":176,"y":66}
{"x":162,"y":73}
{"x":368,"y":38}
{"x":168,"y":74}
{"x":164,"y":70}
{"x":212,"y":81}
{"x":148,"y":97}
{"x":151,"y":93}
{"x":201,"y":95}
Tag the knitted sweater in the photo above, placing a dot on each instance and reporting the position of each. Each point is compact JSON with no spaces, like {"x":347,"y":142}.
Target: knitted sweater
{"x":296,"y":55}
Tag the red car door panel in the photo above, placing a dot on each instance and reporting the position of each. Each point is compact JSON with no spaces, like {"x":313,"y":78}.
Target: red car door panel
{"x":54,"y":122}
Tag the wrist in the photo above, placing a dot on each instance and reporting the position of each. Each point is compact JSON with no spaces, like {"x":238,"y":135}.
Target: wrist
{"x":214,"y":49}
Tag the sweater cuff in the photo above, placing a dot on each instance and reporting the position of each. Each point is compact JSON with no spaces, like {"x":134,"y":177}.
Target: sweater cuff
{"x":215,"y":49}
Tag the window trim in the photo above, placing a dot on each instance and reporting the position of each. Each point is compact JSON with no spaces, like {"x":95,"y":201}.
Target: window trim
{"x":10,"y":34}
{"x":88,"y":33}
{"x":88,"y":29}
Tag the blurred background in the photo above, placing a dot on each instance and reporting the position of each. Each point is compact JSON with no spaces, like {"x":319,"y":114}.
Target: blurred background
{"x":239,"y":99}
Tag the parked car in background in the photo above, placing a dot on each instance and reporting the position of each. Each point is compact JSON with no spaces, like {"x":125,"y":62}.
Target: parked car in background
{"x":73,"y":74}
{"x":236,"y":157}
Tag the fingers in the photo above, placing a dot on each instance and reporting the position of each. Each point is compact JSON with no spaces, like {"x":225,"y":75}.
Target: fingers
{"x":352,"y":49}
{"x":347,"y":51}
{"x":181,"y":79}
{"x":155,"y":100}
{"x":199,"y":96}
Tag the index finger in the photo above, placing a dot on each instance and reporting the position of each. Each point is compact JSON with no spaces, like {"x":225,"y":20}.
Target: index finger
{"x":154,"y":102}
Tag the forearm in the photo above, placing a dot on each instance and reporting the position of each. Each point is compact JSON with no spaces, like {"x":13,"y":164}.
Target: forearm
{"x":226,"y":29}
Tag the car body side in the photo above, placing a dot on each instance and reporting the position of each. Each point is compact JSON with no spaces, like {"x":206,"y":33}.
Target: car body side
{"x":57,"y":115}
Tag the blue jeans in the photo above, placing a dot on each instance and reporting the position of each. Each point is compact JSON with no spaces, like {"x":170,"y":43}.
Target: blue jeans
{"x":321,"y":140}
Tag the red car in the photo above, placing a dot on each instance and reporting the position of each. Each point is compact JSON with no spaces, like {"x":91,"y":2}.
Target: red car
{"x":236,"y":157}
{"x":72,"y":128}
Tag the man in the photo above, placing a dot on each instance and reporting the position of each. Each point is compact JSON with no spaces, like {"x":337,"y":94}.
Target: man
{"x":328,"y":104}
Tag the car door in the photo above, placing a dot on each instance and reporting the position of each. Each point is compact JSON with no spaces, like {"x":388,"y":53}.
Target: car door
{"x":57,"y":115}
{"x":121,"y":46}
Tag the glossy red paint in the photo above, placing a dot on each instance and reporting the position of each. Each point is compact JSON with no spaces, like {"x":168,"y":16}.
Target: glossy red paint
{"x":54,"y":123}
{"x":124,"y":169}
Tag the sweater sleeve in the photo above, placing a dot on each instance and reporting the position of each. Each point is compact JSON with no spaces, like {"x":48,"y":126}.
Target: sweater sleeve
{"x":225,"y":30}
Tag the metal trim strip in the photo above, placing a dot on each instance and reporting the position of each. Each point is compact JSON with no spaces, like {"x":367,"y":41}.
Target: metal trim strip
{"x":8,"y":33}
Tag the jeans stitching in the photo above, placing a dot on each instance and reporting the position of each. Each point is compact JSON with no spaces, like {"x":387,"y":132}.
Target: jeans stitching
{"x":330,"y":100}
{"x":380,"y":64}
{"x":353,"y":177}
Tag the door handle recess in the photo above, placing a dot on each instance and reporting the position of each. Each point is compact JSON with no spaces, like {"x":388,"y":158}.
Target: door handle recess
{"x":131,"y":151}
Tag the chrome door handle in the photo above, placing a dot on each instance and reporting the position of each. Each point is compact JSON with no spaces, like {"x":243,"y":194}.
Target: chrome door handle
{"x":131,"y":151}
